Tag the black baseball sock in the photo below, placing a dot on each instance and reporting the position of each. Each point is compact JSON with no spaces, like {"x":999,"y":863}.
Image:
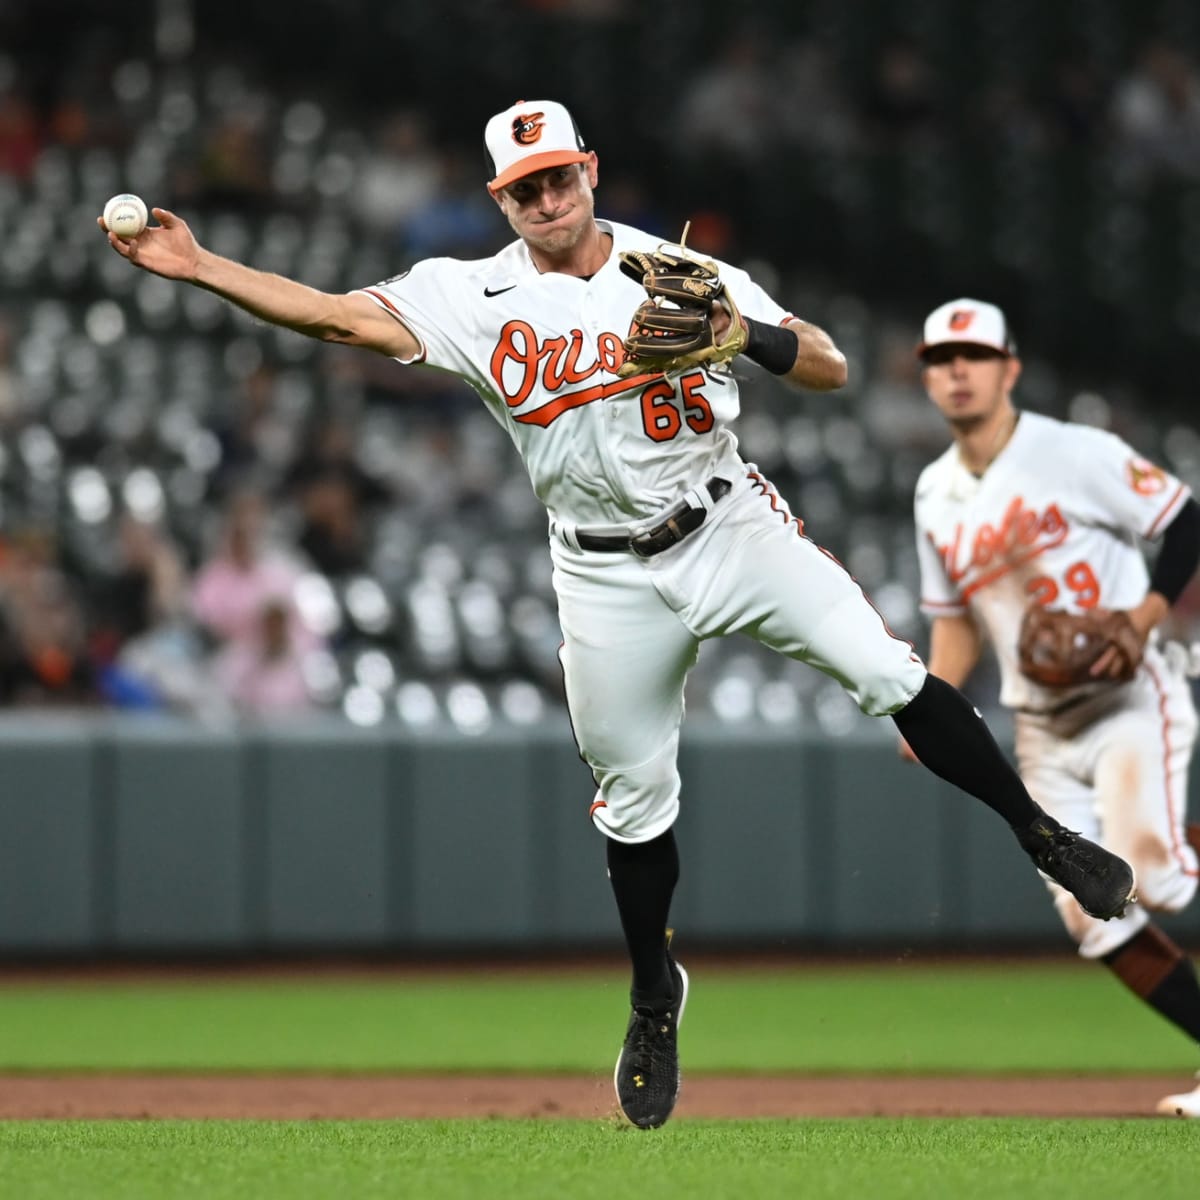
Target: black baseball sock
{"x":949,"y":736}
{"x":643,"y":876}
{"x":1153,"y":967}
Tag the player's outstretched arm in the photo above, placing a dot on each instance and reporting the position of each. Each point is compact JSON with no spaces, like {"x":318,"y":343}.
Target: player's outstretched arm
{"x":170,"y":249}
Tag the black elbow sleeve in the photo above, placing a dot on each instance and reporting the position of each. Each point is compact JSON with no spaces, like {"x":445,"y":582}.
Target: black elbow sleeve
{"x":1180,"y":553}
{"x":771,"y":346}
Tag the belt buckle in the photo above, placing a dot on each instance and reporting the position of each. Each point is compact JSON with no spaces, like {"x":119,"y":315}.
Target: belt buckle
{"x":670,"y":525}
{"x":642,"y":543}
{"x":661,"y":537}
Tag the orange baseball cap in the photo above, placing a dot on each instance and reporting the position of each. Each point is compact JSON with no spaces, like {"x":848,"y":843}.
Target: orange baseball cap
{"x":531,"y":136}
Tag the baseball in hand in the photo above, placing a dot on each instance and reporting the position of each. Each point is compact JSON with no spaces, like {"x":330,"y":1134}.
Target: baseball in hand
{"x":125,"y":215}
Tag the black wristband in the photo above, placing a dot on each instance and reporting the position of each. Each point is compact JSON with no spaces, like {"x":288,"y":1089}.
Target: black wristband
{"x":773,"y":347}
{"x":1180,"y":551}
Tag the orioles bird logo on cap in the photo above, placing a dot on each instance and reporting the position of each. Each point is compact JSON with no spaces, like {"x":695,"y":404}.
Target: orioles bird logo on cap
{"x":527,"y":128}
{"x":961,"y":319}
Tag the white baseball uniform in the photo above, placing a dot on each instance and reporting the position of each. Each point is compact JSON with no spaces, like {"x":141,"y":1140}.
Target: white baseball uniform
{"x":610,"y":456}
{"x":1055,"y":519}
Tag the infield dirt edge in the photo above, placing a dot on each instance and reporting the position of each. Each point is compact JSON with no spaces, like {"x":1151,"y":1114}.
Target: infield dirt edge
{"x":96,"y":1096}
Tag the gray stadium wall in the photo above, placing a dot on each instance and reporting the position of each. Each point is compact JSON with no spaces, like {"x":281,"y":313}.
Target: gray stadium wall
{"x":157,"y":837}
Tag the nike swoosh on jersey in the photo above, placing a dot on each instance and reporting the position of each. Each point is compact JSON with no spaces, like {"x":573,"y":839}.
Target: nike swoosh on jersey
{"x":499,"y":291}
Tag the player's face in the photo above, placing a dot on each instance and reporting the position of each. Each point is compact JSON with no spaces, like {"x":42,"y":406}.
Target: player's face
{"x":551,"y":209}
{"x":969,"y":384}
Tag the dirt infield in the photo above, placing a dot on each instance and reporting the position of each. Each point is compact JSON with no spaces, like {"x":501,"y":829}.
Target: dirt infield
{"x":311,"y":1097}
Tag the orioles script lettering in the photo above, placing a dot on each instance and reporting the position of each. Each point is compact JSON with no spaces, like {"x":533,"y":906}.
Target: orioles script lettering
{"x":557,"y":358}
{"x":520,"y":357}
{"x":1022,"y":534}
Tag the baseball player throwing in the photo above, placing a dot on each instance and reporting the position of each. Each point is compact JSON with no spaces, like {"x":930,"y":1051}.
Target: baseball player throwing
{"x":660,"y":534}
{"x":1027,"y":534}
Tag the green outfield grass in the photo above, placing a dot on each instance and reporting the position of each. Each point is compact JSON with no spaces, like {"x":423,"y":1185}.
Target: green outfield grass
{"x":899,"y":1018}
{"x":903,"y":1017}
{"x":449,"y":1160}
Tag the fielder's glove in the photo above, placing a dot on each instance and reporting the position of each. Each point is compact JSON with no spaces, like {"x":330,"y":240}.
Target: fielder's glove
{"x":672,"y":330}
{"x":1058,"y":649}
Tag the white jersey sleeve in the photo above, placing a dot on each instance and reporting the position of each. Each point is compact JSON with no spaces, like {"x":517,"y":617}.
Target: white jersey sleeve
{"x":1114,"y":485}
{"x":431,"y":299}
{"x":940,"y":596}
{"x":750,"y":297}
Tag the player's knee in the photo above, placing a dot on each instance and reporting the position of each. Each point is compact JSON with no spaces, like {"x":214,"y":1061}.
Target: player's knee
{"x":888,"y":689}
{"x":638,"y":803}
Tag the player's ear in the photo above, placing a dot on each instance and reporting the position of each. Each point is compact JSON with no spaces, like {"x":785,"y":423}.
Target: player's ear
{"x":591,"y":169}
{"x":1012,"y":372}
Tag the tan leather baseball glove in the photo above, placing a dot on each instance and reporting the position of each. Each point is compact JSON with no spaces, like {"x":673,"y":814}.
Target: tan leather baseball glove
{"x":1058,"y":648}
{"x":672,"y":330}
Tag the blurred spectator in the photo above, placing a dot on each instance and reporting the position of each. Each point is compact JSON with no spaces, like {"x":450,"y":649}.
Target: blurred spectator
{"x":895,"y":409}
{"x":730,"y":108}
{"x":42,"y":653}
{"x":146,"y":584}
{"x":233,"y":169}
{"x":263,"y":672}
{"x":1156,"y":113}
{"x":70,"y":122}
{"x":400,"y":176}
{"x":253,"y":433}
{"x":623,"y":197}
{"x":243,"y":577}
{"x":337,"y":499}
{"x":148,"y":653}
{"x":20,"y":137}
{"x":459,"y":219}
{"x":711,"y":232}
{"x":150,"y":583}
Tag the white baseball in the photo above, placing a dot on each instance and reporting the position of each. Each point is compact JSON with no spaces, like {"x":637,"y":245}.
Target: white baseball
{"x":126,"y":215}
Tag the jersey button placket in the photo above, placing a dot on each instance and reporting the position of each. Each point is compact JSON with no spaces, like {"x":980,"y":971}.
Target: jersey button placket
{"x":592,"y":324}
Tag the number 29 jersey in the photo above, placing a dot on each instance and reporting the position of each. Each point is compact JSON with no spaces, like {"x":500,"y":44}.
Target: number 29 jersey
{"x":1055,"y":519}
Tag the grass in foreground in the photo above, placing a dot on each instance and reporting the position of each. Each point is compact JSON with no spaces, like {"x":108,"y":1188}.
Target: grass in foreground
{"x":902,"y":1018}
{"x":983,"y":1159}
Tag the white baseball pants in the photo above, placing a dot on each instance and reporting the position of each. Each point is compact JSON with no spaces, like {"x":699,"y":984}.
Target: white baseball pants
{"x":1115,"y":769}
{"x":632,"y":629}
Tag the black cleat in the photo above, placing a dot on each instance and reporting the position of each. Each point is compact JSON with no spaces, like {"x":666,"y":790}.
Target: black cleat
{"x":1101,"y":882}
{"x":647,"y":1074}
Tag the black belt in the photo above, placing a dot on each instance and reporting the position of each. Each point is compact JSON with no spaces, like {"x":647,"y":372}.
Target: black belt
{"x":674,"y":527}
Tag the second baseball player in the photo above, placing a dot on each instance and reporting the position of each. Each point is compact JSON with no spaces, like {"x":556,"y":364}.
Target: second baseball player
{"x":1023,"y":510}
